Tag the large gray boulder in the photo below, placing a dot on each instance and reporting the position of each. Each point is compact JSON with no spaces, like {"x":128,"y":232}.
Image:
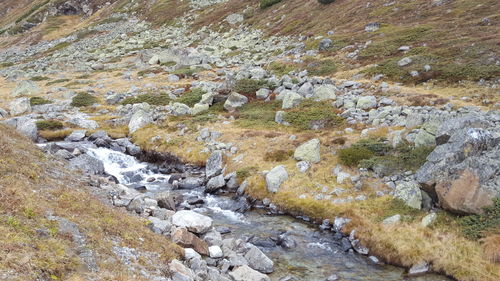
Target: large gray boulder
{"x":275,"y":178}
{"x":291,"y":100}
{"x":20,"y":106}
{"x":463,"y":171}
{"x":139,"y":120}
{"x":24,"y":125}
{"x":88,"y":164}
{"x":179,"y":109}
{"x":308,"y":151}
{"x":192,"y":221}
{"x":26,"y":88}
{"x":366,"y":102}
{"x":325,"y":92}
{"x":234,"y":101}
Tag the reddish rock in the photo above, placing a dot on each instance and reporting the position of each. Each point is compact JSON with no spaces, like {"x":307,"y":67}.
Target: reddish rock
{"x":186,"y":239}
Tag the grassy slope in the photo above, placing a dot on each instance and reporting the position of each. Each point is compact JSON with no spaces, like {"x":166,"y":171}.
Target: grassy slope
{"x":33,"y":185}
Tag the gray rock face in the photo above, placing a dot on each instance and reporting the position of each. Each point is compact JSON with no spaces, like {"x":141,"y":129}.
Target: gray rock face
{"x":309,"y":151}
{"x":19,"y":106}
{"x":463,"y":172}
{"x":26,"y":88}
{"x":410,"y":193}
{"x":192,"y":221}
{"x":140,"y":119}
{"x":275,"y":178}
{"x":77,"y":135}
{"x":180,"y":272}
{"x":245,"y":273}
{"x":234,"y":101}
{"x":88,"y":164}
{"x":215,"y":183}
{"x":214,"y":164}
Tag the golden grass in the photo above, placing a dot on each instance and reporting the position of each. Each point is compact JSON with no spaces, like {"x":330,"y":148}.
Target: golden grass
{"x":55,"y":135}
{"x":34,"y":185}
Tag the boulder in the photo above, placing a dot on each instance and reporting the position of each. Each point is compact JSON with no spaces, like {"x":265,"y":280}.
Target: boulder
{"x":186,"y":239}
{"x":258,"y":260}
{"x":263,"y":93}
{"x":88,"y":164}
{"x":245,"y":273}
{"x":325,"y":92}
{"x":24,"y":125}
{"x":410,"y":193}
{"x":463,"y":170}
{"x":306,"y":90}
{"x":165,"y":200}
{"x":215,"y":184}
{"x":215,"y":252}
{"x":179,"y":272}
{"x":193,"y":221}
{"x":214,"y":164}
{"x":199,"y":108}
{"x":309,"y":151}
{"x":179,"y":109}
{"x":20,"y":106}
{"x":234,"y":101}
{"x":275,"y":178}
{"x":366,"y":102}
{"x":291,"y":100}
{"x":26,"y":88}
{"x":325,"y":44}
{"x":76,"y":136}
{"x":234,"y":18}
{"x":140,"y":119}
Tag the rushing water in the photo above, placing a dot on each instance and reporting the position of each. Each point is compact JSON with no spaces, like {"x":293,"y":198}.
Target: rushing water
{"x":315,"y":256}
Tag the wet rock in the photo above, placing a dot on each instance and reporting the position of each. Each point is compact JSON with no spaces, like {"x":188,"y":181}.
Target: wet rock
{"x":309,"y":151}
{"x":165,"y":200}
{"x":214,"y":164}
{"x":245,"y":273}
{"x":215,"y":184}
{"x":419,"y":269}
{"x":193,"y":221}
{"x":275,"y":178}
{"x":88,"y":164}
{"x":191,"y":183}
{"x":186,"y":239}
{"x":258,"y":260}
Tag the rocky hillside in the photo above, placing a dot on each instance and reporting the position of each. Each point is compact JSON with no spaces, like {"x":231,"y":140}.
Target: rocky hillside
{"x":378,"y":121}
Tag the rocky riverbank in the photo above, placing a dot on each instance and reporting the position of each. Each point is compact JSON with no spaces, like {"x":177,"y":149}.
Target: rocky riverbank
{"x":399,"y":173}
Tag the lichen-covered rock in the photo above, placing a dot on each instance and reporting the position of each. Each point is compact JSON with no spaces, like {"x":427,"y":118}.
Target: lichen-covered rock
{"x":275,"y":178}
{"x":309,"y":151}
{"x":410,"y":193}
{"x":463,"y":172}
{"x":234,"y":101}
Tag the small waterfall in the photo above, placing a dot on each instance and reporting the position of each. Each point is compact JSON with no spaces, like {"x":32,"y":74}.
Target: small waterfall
{"x":119,"y":164}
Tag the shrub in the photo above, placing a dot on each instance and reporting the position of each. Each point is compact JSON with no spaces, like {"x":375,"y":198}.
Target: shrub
{"x":311,"y":113}
{"x":83,"y":99}
{"x":186,"y":71}
{"x":161,"y":99}
{"x":38,"y":101}
{"x":192,"y":97}
{"x":378,"y":146}
{"x":477,"y":226}
{"x":281,"y":68}
{"x":278,"y":155}
{"x":268,"y":3}
{"x":245,"y":172}
{"x":39,"y":78}
{"x":258,"y":114}
{"x":58,"y":81}
{"x":352,"y":156}
{"x":250,"y":86}
{"x":322,"y":67}
{"x":49,"y":125}
{"x":326,"y":1}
